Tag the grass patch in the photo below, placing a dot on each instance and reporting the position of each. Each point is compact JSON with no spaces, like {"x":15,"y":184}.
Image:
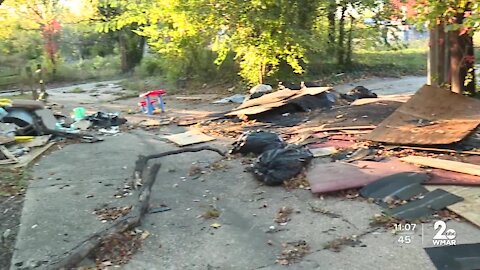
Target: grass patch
{"x":13,"y":181}
{"x":77,"y":90}
{"x":26,"y":95}
{"x":140,"y":85}
{"x":382,"y":62}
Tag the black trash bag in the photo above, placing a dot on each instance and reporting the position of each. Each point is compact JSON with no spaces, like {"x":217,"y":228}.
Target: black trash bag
{"x":358,"y":93}
{"x":105,"y":120}
{"x":275,"y":166}
{"x":257,"y":142}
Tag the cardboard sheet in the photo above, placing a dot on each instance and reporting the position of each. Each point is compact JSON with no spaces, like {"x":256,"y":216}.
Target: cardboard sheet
{"x":274,"y":100}
{"x":189,"y":138}
{"x":433,"y":116}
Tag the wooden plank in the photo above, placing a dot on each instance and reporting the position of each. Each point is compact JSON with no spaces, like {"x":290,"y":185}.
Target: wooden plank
{"x":439,"y":150}
{"x":468,"y":208}
{"x":8,"y":154}
{"x":189,"y":138}
{"x":325,"y":129}
{"x":6,"y":140}
{"x":25,"y":160}
{"x":448,"y":165}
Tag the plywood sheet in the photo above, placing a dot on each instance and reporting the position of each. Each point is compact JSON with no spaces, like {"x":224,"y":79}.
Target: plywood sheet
{"x":432,"y":116}
{"x":469,"y":207}
{"x":189,"y":138}
{"x":448,"y":165}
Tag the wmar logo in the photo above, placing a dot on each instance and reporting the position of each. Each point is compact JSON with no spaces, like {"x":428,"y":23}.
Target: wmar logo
{"x":444,"y":236}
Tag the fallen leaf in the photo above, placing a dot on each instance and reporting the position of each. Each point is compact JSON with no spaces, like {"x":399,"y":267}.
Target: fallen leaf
{"x":144,"y":235}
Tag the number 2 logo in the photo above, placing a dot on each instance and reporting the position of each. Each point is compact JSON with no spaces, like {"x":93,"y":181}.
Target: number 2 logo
{"x":442,"y":232}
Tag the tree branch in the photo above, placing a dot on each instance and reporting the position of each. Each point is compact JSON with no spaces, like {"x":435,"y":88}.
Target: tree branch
{"x":73,"y":257}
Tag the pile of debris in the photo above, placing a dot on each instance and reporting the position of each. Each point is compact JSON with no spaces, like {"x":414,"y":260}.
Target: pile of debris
{"x":28,"y":129}
{"x":420,"y":160}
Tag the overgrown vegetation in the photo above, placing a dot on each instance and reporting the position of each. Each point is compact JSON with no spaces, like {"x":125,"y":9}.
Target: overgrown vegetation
{"x":178,"y":43}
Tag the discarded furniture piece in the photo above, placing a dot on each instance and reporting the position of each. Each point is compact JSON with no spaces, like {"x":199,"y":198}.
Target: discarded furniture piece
{"x":433,"y":116}
{"x":31,"y":117}
{"x":432,"y":201}
{"x":148,"y":102}
{"x":456,"y":257}
{"x":189,"y":138}
{"x":449,"y":165}
{"x":468,"y":208}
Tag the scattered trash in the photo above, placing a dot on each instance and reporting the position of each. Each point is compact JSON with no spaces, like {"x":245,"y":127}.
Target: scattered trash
{"x":275,"y":166}
{"x":237,"y":98}
{"x":159,"y":210}
{"x":81,"y":124}
{"x":323,"y":151}
{"x":258,"y":91}
{"x":112,"y":130}
{"x":105,"y":120}
{"x":358,"y":92}
{"x":257,"y":142}
{"x":216,"y":225}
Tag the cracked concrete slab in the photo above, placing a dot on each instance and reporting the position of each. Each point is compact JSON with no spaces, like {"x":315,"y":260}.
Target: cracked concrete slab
{"x":68,"y":185}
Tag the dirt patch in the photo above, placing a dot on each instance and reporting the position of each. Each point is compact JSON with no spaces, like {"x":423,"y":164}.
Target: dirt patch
{"x":12,"y":191}
{"x":10,"y":212}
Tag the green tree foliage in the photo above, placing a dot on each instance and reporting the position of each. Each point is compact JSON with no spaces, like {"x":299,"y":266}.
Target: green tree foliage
{"x":261,"y":34}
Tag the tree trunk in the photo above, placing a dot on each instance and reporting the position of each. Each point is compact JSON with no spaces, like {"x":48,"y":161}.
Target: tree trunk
{"x":462,"y":59}
{"x":438,"y":57}
{"x":350,"y":41}
{"x":332,"y":8}
{"x":341,"y":36}
{"x":455,"y":62}
{"x":467,"y":69}
{"x":131,"y":49}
